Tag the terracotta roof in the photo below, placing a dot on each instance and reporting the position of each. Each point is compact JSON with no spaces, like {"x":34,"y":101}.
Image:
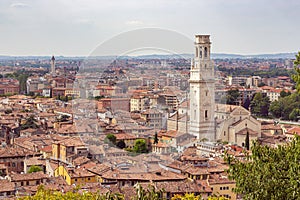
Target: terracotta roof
{"x":71,"y":141}
{"x":270,"y":127}
{"x":294,"y":130}
{"x":47,"y":149}
{"x":6,"y":186}
{"x":169,"y":133}
{"x":27,"y":177}
{"x":99,"y":169}
{"x":125,"y":136}
{"x":244,"y":132}
{"x":34,"y":161}
{"x":219,"y":179}
{"x":9,"y":152}
{"x":161,"y":175}
{"x":79,"y":172}
{"x":180,"y":187}
{"x":80,"y":160}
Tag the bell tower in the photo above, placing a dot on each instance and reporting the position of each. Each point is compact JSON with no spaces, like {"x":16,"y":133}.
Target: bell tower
{"x":202,"y":91}
{"x":52,"y":69}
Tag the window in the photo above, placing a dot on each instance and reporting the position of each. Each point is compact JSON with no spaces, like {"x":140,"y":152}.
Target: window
{"x":224,"y":133}
{"x":75,"y":179}
{"x":205,"y":52}
{"x":200,"y":54}
{"x":27,"y":182}
{"x":206,"y":114}
{"x":206,"y":92}
{"x":13,"y":164}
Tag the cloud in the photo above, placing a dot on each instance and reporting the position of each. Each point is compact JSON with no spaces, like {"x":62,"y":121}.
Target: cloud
{"x":134,"y":23}
{"x":19,"y":5}
{"x":84,"y":21}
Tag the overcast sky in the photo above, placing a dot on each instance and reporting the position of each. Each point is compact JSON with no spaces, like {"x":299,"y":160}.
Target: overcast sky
{"x":77,"y":27}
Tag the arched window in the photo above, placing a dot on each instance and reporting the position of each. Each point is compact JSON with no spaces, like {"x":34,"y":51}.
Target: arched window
{"x":200,"y":54}
{"x":205,"y":52}
{"x":206,"y":114}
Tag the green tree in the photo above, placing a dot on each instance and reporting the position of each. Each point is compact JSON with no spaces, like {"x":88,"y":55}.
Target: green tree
{"x":294,"y":114}
{"x":246,"y":104}
{"x":232,"y":96}
{"x":186,"y":196}
{"x":284,"y":93}
{"x":247,"y":141}
{"x":155,"y":140}
{"x":260,"y":105}
{"x":268,"y":173}
{"x":111,"y":138}
{"x":147,"y":193}
{"x":286,"y":107}
{"x":140,"y":146}
{"x":217,"y":198}
{"x":121,"y":144}
{"x":34,"y":168}
{"x":276,"y":109}
{"x":296,"y":77}
{"x":71,"y":195}
{"x":30,"y":122}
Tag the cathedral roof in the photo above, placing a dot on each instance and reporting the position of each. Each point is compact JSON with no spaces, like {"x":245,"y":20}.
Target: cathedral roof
{"x":244,"y":132}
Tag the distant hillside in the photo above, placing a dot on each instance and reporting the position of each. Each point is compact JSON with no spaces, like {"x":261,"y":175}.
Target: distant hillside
{"x":222,"y":56}
{"x":157,"y":56}
{"x":261,"y":56}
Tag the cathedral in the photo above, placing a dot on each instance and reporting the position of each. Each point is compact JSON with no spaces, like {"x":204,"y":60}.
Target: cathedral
{"x":203,"y":118}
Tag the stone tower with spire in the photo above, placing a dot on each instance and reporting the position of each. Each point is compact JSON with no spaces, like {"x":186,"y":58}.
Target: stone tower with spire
{"x":52,"y":70}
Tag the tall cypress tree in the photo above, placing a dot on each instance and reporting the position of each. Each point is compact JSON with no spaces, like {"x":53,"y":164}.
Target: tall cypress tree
{"x":247,"y":140}
{"x":155,"y":138}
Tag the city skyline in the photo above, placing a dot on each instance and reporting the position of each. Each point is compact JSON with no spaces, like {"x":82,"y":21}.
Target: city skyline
{"x":76,"y":28}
